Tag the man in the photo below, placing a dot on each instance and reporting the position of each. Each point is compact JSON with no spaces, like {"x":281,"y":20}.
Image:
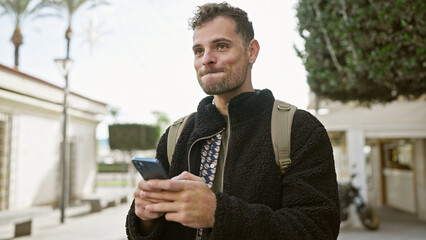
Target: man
{"x":249,"y":197}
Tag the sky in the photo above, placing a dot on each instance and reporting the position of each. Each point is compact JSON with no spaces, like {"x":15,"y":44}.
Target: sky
{"x":136,"y":55}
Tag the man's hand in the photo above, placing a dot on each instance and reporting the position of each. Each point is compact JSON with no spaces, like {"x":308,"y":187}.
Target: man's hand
{"x":141,"y":202}
{"x":185,"y":199}
{"x":146,"y":217}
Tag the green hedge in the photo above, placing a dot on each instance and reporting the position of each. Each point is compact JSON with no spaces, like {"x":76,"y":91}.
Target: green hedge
{"x":113,"y":167}
{"x":133,"y":136}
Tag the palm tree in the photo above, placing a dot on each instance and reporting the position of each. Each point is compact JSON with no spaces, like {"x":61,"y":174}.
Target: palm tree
{"x":114,"y":111}
{"x":19,"y":10}
{"x":71,"y":7}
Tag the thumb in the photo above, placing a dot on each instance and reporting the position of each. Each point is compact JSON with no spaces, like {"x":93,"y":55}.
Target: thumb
{"x":187,"y":176}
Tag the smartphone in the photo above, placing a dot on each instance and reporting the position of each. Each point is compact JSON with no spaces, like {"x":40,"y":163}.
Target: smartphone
{"x":149,"y":168}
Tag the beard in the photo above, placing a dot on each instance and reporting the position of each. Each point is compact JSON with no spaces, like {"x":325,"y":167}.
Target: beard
{"x":233,"y":79}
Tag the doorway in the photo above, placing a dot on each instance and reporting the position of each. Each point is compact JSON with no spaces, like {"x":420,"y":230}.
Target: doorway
{"x":398,"y":174}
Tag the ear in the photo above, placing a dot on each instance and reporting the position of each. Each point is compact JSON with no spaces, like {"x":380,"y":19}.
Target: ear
{"x":253,"y":50}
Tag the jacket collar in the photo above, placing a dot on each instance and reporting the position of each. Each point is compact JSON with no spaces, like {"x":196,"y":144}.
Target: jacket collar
{"x":241,"y":108}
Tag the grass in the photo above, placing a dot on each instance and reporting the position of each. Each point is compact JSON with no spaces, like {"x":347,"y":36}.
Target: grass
{"x":112,"y":183}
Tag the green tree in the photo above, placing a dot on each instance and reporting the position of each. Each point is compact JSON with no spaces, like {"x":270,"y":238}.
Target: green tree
{"x":71,"y":7}
{"x":364,"y":50}
{"x":19,"y":10}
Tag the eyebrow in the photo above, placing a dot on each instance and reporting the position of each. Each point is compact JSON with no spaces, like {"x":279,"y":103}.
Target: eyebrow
{"x":214,"y":41}
{"x":221,"y":40}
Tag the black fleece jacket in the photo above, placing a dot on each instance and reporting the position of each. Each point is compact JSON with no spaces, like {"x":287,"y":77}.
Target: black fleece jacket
{"x":257,"y":201}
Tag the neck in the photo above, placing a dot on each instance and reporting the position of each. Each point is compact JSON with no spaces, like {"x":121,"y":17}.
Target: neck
{"x":221,"y":101}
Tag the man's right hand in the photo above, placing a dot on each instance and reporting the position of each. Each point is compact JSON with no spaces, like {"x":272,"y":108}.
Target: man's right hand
{"x":141,"y":202}
{"x":147,"y":217}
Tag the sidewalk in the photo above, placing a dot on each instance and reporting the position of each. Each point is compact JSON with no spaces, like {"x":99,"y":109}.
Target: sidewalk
{"x":109,"y":224}
{"x":394,"y":225}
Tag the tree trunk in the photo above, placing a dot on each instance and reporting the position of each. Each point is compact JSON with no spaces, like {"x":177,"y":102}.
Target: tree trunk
{"x":351,"y":43}
{"x":17,"y":41}
{"x":68,"y":35}
{"x":327,"y":39}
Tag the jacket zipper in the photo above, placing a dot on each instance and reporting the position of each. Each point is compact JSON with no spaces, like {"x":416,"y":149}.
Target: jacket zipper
{"x":199,"y":139}
{"x":225,"y":156}
{"x":189,"y":160}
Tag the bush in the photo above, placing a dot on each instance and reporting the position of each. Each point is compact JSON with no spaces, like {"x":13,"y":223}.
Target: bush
{"x":133,"y":136}
{"x":113,"y":167}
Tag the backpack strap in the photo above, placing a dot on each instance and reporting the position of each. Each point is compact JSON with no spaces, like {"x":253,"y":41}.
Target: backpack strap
{"x":281,"y":120}
{"x":174,"y":133}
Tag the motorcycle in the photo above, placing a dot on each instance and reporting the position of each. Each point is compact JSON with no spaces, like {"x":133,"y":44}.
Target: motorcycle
{"x":348,"y":195}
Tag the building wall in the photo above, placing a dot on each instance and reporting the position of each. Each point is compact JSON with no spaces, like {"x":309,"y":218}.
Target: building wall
{"x":83,"y":136}
{"x":35,"y":107}
{"x":400,"y":190}
{"x":420,"y":176}
{"x":399,"y":186}
{"x":403,"y":189}
{"x":34,"y":154}
{"x":36,"y":160}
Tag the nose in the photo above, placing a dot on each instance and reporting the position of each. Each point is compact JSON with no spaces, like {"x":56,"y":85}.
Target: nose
{"x":209,"y":57}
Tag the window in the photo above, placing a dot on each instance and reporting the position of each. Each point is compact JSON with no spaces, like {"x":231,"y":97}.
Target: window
{"x":398,"y":154}
{"x":4,"y":160}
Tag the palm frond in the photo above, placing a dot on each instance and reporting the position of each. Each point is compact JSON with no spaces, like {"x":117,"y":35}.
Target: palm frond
{"x":47,"y":14}
{"x":97,"y":3}
{"x":18,"y":9}
{"x":71,"y":6}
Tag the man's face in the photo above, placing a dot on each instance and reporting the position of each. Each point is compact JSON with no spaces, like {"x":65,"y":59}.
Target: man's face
{"x":220,"y":59}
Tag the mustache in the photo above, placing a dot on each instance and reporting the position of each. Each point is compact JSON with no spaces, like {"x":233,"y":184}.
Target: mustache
{"x":205,"y":71}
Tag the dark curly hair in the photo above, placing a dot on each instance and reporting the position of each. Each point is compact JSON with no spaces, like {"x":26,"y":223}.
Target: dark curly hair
{"x":209,"y":11}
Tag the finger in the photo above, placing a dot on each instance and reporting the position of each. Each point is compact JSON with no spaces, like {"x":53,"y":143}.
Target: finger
{"x":167,"y":185}
{"x":151,"y":197}
{"x":145,"y":214}
{"x":159,"y":196}
{"x":173,"y":217}
{"x":184,"y":219}
{"x":142,"y":184}
{"x":187,"y":176}
{"x":150,"y":185}
{"x":138,"y":196}
{"x":137,"y":193}
{"x":182,"y":176}
{"x":163,"y":207}
{"x":142,"y":212}
{"x":141,"y":203}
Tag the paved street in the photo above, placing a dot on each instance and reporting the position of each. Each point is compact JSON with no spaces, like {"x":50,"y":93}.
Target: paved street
{"x":80,"y":224}
{"x":109,"y":225}
{"x":394,"y":225}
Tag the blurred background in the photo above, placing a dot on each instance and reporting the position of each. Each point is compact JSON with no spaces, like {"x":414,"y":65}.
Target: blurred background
{"x":124,"y":71}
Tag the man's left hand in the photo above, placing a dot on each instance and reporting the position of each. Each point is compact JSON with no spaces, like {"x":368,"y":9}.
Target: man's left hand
{"x":186,"y":199}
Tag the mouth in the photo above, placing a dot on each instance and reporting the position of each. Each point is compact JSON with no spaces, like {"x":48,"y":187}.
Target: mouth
{"x":211,"y":72}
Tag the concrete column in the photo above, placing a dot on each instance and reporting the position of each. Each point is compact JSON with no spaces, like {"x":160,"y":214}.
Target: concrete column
{"x":355,"y":141}
{"x":374,"y":192}
{"x":420,"y":176}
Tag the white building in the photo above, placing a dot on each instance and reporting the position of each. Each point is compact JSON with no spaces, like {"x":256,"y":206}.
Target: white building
{"x":385,"y":145}
{"x":30,"y":136}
